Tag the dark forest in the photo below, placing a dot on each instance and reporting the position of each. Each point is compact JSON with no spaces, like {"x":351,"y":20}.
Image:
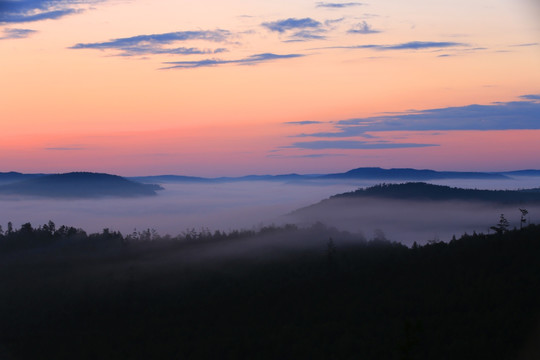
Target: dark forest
{"x":68,"y":294}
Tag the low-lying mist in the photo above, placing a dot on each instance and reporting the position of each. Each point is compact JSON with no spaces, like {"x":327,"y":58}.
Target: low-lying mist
{"x":225,"y":206}
{"x":289,"y":289}
{"x":248,"y":205}
{"x":410,"y":221}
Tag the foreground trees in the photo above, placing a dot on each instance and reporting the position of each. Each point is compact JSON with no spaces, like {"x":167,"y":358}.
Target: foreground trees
{"x":335,"y":297}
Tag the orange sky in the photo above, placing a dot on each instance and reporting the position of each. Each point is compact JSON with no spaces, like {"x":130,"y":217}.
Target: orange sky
{"x":88,"y":90}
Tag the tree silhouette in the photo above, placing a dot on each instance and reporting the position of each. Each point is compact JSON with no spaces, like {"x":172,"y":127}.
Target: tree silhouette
{"x":523,"y":219}
{"x":502,"y":225}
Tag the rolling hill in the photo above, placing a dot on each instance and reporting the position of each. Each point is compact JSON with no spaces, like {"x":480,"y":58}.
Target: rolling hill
{"x":79,"y":185}
{"x":420,"y":191}
{"x":410,"y":174}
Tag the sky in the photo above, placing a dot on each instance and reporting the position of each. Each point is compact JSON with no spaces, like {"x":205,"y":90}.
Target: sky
{"x":235,"y":87}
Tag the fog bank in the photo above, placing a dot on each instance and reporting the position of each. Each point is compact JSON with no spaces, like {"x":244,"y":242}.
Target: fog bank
{"x":410,"y":221}
{"x":247,"y":205}
{"x":179,"y":207}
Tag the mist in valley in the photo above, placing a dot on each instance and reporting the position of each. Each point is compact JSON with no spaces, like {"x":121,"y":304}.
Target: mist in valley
{"x":201,"y":293}
{"x":411,"y":221}
{"x":178,"y":208}
{"x":182,"y":207}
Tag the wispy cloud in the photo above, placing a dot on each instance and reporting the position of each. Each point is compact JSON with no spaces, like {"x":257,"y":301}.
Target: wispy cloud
{"x":515,"y":115}
{"x":250,"y":60}
{"x":331,"y":22}
{"x":17,"y":33}
{"x":411,"y":45}
{"x":525,"y":45}
{"x":304,"y":156}
{"x":462,"y":51}
{"x":419,"y":45}
{"x":305,"y":122}
{"x":354,"y":144}
{"x":305,"y":35}
{"x":305,"y":29}
{"x":21,"y":11}
{"x":317,"y":156}
{"x":531,"y":97}
{"x":335,"y":134}
{"x":338,"y":5}
{"x":363,"y":28}
{"x":64,"y":148}
{"x":292,"y":24}
{"x":156,"y":43}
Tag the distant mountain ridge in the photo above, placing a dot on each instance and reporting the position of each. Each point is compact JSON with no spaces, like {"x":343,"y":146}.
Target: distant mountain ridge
{"x":12,"y":176}
{"x":223,"y":179}
{"x":364,"y":173}
{"x":79,"y":185}
{"x":169,"y":179}
{"x":410,"y":174}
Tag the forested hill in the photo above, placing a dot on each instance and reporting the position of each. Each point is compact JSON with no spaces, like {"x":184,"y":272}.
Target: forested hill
{"x":79,"y":185}
{"x":68,"y":295}
{"x":429,"y":192}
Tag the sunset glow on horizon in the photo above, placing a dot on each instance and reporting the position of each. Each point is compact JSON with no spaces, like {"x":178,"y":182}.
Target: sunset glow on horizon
{"x":227,"y":88}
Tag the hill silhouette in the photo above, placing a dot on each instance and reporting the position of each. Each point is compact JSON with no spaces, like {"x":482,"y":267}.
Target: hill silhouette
{"x":410,"y":174}
{"x":423,"y":191}
{"x":365,"y":173}
{"x":13,"y":176}
{"x":79,"y":185}
{"x":528,"y":172}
